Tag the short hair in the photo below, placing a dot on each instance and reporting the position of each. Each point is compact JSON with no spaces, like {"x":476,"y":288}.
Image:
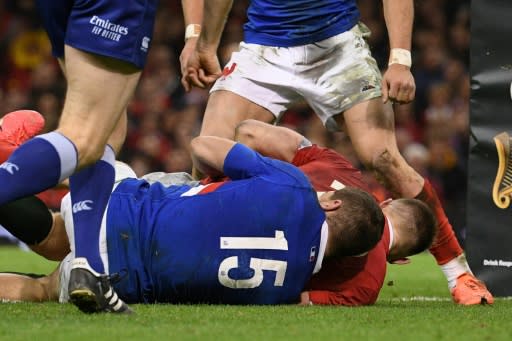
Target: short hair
{"x":421,"y":227}
{"x":357,"y":225}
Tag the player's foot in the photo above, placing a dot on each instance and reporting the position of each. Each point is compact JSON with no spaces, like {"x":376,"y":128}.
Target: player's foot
{"x":92,"y":292}
{"x":17,"y":127}
{"x":21,"y":125}
{"x":469,"y":291}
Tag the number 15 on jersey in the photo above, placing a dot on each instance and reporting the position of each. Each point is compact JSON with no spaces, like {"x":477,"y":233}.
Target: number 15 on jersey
{"x":278,"y":242}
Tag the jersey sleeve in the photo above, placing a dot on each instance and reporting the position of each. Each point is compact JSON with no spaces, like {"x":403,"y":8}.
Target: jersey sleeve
{"x":352,"y":297}
{"x":327,"y":170}
{"x":242,"y":163}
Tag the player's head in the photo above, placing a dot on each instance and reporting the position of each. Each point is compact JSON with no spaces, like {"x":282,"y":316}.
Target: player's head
{"x":414,"y":227}
{"x":355,"y":222}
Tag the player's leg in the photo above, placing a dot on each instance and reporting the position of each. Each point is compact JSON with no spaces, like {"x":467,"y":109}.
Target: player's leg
{"x":36,"y":165}
{"x":255,"y":85}
{"x":101,"y":118}
{"x":91,"y":186}
{"x":225,"y":110}
{"x":352,"y":79}
{"x":29,"y":220}
{"x":375,"y":143}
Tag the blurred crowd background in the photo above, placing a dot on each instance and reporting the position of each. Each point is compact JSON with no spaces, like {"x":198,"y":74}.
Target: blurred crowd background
{"x":432,"y":132}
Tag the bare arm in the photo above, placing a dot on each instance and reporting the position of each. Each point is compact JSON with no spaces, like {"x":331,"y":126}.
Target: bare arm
{"x":399,"y":15}
{"x":19,"y":287}
{"x":201,"y":67}
{"x":209,"y":153}
{"x":193,"y":15}
{"x":269,"y":140}
{"x":192,"y":11}
{"x":215,"y":16}
{"x":397,"y":82}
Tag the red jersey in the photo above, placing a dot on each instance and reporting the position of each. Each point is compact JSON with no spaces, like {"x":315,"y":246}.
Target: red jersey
{"x":350,"y":281}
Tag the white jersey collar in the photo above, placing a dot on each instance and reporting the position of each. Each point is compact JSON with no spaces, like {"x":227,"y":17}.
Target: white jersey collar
{"x":391,"y":233}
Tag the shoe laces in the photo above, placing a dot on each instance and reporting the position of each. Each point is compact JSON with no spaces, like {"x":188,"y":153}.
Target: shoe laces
{"x":117,"y":277}
{"x":15,"y":136}
{"x":472,"y":283}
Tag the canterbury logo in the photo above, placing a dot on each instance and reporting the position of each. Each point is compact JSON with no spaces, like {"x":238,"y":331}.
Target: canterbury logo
{"x":82,"y":206}
{"x":9,"y":167}
{"x":502,"y":188}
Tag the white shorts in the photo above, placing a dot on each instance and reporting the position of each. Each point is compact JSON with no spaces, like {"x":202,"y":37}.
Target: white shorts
{"x":331,"y":75}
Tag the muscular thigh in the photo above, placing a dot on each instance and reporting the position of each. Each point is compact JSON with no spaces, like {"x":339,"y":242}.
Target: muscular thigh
{"x":258,"y":82}
{"x":98,"y":92}
{"x":225,"y":110}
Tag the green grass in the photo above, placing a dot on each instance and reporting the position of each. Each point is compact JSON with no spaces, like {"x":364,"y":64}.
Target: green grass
{"x":406,"y":310}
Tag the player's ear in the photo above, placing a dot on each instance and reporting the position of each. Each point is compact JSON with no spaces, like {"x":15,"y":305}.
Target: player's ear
{"x":331,"y":205}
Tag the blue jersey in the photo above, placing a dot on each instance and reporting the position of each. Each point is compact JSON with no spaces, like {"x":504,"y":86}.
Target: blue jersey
{"x":298,"y":22}
{"x":253,"y":240}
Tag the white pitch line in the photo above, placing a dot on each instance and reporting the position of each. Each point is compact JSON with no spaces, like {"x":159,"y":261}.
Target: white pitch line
{"x":421,"y":299}
{"x":432,"y":299}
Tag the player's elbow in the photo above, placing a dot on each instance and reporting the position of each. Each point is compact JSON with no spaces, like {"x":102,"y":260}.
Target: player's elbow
{"x":198,"y":146}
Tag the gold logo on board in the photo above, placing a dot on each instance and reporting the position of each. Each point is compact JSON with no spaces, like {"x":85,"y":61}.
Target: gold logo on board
{"x":502,"y":188}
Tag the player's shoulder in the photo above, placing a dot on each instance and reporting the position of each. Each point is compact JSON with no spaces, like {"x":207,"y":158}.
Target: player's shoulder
{"x":284,"y":170}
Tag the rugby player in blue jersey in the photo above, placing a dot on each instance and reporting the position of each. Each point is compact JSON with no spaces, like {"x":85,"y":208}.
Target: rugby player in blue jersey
{"x":316,"y":50}
{"x":256,"y":239}
{"x":101,"y":46}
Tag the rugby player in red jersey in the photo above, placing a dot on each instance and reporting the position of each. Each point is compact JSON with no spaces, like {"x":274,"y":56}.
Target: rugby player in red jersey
{"x":351,"y":281}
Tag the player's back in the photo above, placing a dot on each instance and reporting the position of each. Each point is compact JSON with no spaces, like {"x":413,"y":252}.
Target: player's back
{"x":251,"y":241}
{"x":299,"y":22}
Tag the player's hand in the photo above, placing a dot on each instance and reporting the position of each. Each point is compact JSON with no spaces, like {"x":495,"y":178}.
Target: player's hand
{"x":304,"y":298}
{"x":398,"y":84}
{"x":202,"y":69}
{"x":188,"y":50}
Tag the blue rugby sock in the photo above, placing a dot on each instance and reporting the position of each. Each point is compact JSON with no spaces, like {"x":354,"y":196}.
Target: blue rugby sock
{"x":90,"y":192}
{"x":37,"y":165}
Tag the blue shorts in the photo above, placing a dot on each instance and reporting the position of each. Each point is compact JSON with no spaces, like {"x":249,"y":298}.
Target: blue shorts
{"x":121,"y":29}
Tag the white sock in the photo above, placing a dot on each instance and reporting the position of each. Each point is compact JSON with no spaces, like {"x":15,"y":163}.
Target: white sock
{"x":454,"y":269}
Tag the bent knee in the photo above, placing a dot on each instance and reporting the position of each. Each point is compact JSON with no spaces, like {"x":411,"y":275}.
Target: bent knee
{"x":88,"y":151}
{"x":90,"y":147}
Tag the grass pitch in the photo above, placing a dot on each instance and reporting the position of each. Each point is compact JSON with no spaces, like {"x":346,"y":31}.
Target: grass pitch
{"x":414,"y":305}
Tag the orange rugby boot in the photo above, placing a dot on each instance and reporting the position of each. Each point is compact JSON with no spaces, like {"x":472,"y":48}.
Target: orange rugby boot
{"x":17,"y":127}
{"x":469,"y":291}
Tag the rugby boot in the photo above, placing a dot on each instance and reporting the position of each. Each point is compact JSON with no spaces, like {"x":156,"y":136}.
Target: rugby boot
{"x":470,"y":291}
{"x":16,"y":128}
{"x":92,"y":292}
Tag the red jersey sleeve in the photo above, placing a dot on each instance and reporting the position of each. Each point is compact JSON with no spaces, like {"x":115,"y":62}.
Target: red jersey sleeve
{"x":325,"y":168}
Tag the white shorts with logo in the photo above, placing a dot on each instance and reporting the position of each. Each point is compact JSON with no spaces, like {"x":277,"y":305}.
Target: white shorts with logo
{"x":331,"y":75}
